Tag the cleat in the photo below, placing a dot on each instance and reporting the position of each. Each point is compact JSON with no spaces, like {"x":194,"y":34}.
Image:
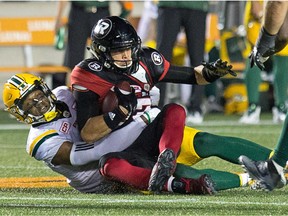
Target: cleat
{"x":264,"y":172}
{"x":255,"y":185}
{"x":279,"y":114}
{"x":201,"y":186}
{"x":252,"y":115}
{"x":162,"y":170}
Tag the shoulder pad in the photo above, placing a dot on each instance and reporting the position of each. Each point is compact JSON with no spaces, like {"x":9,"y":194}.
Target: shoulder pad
{"x":152,"y":54}
{"x":154,"y":62}
{"x":91,"y":64}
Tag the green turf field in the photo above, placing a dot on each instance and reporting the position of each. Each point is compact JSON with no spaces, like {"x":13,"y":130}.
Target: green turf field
{"x":16,"y":163}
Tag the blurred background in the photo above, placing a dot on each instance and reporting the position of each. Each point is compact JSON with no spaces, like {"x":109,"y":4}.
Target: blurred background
{"x":27,"y":44}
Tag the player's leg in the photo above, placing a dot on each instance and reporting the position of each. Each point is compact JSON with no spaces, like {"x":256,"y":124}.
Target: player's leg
{"x":134,"y":170}
{"x":280,"y":88}
{"x":252,"y":82}
{"x":173,"y":124}
{"x":195,"y":47}
{"x":228,"y":148}
{"x":128,"y":168}
{"x":166,"y":38}
{"x":223,"y":180}
{"x":165,"y":132}
{"x":162,"y":138}
{"x":197,"y":145}
{"x":270,"y":173}
{"x":280,"y":155}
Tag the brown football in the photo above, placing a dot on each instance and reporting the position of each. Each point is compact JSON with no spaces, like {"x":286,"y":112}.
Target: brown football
{"x":110,"y":101}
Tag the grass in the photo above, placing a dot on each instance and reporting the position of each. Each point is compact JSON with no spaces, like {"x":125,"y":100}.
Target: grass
{"x":15,"y":162}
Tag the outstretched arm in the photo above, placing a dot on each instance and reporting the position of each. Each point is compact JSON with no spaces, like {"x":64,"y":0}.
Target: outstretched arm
{"x":203,"y":74}
{"x":91,"y":123}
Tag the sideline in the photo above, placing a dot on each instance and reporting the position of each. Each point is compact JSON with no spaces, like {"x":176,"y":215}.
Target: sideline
{"x":33,"y":182}
{"x":14,"y":127}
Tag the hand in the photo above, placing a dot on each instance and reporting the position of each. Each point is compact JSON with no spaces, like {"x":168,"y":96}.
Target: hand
{"x":265,"y":47}
{"x":257,"y":59}
{"x":128,"y":101}
{"x":214,"y":70}
{"x":219,"y":68}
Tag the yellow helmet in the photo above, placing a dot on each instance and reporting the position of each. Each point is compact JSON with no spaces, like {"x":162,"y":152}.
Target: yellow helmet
{"x":17,"y":88}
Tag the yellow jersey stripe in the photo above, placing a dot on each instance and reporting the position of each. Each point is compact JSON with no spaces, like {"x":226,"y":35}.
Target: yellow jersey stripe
{"x":39,"y":140}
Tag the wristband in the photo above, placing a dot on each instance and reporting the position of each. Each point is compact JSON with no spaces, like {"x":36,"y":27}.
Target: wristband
{"x":114,"y":118}
{"x":147,"y":117}
{"x":265,"y":43}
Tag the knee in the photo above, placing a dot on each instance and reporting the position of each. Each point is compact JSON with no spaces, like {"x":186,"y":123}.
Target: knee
{"x":106,"y":164}
{"x":175,"y":110}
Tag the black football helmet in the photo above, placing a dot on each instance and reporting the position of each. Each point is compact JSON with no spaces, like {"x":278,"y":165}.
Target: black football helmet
{"x":114,"y":34}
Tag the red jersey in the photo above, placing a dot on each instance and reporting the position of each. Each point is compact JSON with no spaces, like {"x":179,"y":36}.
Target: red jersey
{"x":92,"y":75}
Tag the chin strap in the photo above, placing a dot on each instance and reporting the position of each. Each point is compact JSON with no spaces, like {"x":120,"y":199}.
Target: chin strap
{"x":49,"y":116}
{"x":60,"y":110}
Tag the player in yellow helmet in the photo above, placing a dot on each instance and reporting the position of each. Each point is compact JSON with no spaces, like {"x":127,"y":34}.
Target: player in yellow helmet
{"x":54,"y":136}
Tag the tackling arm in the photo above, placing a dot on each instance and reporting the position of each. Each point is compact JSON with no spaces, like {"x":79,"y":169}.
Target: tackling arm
{"x":91,"y":124}
{"x":63,"y":154}
{"x":94,"y":129}
{"x":94,"y":125}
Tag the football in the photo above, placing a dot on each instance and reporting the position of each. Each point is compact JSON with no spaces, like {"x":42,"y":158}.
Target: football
{"x":110,"y":101}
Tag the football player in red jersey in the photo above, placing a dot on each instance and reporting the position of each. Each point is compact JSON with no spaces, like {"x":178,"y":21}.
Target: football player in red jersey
{"x":118,"y":56}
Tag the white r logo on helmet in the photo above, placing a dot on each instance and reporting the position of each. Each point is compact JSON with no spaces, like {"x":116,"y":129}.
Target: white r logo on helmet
{"x":102,"y":28}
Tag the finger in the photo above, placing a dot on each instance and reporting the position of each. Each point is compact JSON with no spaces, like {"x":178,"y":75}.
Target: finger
{"x":223,"y":64}
{"x":218,"y":61}
{"x":233,"y":73}
{"x":251,"y":61}
{"x":260,"y":65}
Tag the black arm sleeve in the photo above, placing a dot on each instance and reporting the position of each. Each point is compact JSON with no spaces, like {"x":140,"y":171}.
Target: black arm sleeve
{"x":177,"y":74}
{"x":87,"y":106}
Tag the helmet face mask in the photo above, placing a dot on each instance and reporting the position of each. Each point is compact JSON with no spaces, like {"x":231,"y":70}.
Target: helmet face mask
{"x":115,"y":34}
{"x":16,"y":90}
